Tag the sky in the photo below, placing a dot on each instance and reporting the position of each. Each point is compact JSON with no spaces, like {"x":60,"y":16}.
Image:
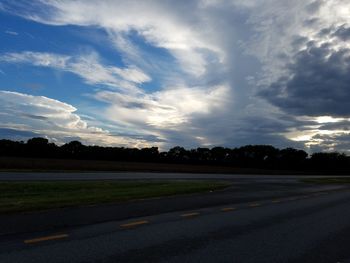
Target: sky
{"x":197,"y":73}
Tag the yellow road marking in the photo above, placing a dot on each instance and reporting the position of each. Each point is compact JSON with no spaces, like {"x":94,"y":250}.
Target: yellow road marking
{"x":254,"y":204}
{"x":227,"y":209}
{"x":47,"y":238}
{"x":190,"y":214}
{"x":276,"y":201}
{"x":133,"y":224}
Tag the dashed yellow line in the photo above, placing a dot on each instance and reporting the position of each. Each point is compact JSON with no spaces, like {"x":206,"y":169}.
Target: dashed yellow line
{"x":276,"y":201}
{"x":190,"y":214}
{"x":134,"y":224}
{"x":46,"y":238}
{"x":227,"y":209}
{"x":254,"y":204}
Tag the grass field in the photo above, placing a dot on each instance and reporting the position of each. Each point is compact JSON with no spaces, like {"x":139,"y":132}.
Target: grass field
{"x":29,"y":196}
{"x":67,"y":165}
{"x":335,"y":180}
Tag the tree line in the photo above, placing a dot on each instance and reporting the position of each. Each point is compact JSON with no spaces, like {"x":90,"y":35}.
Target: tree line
{"x":250,"y":156}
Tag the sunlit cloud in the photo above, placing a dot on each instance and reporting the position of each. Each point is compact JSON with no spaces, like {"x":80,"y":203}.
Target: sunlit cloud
{"x":163,"y":109}
{"x":328,"y":119}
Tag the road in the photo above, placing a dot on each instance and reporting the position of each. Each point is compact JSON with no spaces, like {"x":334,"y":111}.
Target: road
{"x":52,"y":176}
{"x":245,"y":188}
{"x":258,"y":219}
{"x":303,"y":228}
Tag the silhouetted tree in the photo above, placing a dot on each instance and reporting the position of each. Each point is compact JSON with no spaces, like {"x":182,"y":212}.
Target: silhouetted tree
{"x":289,"y":158}
{"x":329,"y":161}
{"x":251,"y":156}
{"x":73,"y":149}
{"x":12,"y":148}
{"x":220,"y":154}
{"x":149,"y":154}
{"x":40,"y":147}
{"x":178,"y":154}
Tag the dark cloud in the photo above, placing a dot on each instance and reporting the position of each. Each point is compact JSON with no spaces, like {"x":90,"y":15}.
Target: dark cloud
{"x":343,"y":33}
{"x":36,"y":117}
{"x":299,"y":41}
{"x":242,"y":130}
{"x":334,"y":142}
{"x":325,"y":32}
{"x":317,"y":82}
{"x":311,"y":22}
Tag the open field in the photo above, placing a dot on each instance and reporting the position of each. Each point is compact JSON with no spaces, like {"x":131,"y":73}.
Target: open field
{"x":43,"y":165}
{"x":27,"y":196}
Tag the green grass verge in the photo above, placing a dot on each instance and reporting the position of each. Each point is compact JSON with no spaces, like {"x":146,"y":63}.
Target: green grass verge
{"x":327,"y":180}
{"x":29,"y":196}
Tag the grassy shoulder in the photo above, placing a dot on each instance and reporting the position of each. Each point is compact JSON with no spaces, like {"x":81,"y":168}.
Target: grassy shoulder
{"x":31,"y":196}
{"x":336,"y":180}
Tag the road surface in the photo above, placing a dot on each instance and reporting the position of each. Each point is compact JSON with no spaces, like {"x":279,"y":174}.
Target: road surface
{"x":52,"y":176}
{"x":307,"y":228}
{"x":258,"y":219}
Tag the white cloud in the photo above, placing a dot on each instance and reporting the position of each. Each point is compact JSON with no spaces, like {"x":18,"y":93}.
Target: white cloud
{"x":54,"y":119}
{"x":160,"y":23}
{"x":39,"y":108}
{"x":167,"y":109}
{"x":87,"y":66}
{"x":10,"y":32}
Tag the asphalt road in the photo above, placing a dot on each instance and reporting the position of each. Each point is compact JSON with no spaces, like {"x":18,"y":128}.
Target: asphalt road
{"x":257,"y":220}
{"x":52,"y":176}
{"x":245,"y":188}
{"x":308,"y":228}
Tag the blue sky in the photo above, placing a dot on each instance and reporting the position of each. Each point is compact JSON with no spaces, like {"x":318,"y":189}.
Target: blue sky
{"x":190,"y":73}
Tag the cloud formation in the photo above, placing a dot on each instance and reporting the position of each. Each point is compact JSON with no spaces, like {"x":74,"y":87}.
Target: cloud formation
{"x":163,"y":109}
{"x":87,"y":66}
{"x":161,"y":23}
{"x":316,"y":83}
{"x":221,"y":72}
{"x":25,"y":115}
